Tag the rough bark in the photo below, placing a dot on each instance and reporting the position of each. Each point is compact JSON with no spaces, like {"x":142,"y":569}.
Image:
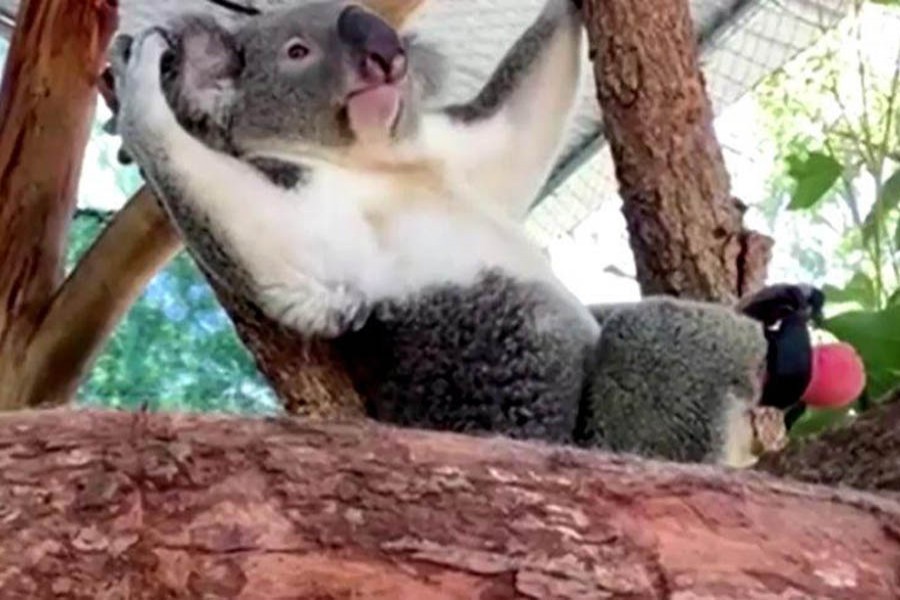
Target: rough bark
{"x":685,"y":228}
{"x":863,"y":455}
{"x":46,"y":104}
{"x":135,"y":506}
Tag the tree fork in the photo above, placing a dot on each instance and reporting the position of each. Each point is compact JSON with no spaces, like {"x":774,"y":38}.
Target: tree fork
{"x":97,"y":505}
{"x":685,"y":228}
{"x":138,"y":242}
{"x":50,"y":333}
{"x":47,"y":101}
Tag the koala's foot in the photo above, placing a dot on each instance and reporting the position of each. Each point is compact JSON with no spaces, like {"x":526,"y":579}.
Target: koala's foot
{"x":315,"y":309}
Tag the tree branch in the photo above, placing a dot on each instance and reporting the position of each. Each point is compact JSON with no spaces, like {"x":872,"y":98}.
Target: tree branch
{"x":684,"y":226}
{"x":46,"y":105}
{"x":131,"y":250}
{"x":168,"y":506}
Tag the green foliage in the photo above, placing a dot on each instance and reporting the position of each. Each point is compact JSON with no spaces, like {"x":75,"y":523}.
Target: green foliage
{"x":834,"y":118}
{"x":815,"y":421}
{"x":860,"y":291}
{"x":814,"y":175}
{"x":876,"y":336}
{"x":175,"y":350}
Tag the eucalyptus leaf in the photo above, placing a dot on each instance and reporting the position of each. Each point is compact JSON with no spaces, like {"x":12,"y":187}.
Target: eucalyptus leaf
{"x":814,"y":175}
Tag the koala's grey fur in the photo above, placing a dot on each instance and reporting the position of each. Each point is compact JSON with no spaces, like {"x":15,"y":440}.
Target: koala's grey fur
{"x":669,"y":376}
{"x":499,"y":356}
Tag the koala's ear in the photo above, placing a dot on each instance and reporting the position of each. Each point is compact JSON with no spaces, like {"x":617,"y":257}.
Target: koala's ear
{"x":397,"y":13}
{"x":206,"y":61}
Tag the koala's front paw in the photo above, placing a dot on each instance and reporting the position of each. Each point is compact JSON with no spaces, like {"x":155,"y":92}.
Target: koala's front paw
{"x":316,"y":310}
{"x":136,"y":65}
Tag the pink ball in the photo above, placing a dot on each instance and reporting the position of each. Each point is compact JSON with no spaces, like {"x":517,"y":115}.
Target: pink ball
{"x":838,"y":377}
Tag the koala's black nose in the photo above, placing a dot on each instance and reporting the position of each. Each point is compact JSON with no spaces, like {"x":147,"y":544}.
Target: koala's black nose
{"x":383,"y":56}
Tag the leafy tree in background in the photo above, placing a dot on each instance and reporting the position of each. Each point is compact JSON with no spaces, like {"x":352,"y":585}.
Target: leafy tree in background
{"x":834,"y":118}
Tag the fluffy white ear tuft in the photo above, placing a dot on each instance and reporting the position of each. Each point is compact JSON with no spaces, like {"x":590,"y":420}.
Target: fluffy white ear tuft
{"x":207,"y":59}
{"x":396,"y":12}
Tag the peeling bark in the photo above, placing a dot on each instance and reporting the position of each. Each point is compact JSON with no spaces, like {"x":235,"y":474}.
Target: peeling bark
{"x":685,"y":228}
{"x":112,"y":505}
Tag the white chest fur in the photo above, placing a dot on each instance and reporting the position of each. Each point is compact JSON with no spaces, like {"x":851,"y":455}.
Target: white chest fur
{"x":390,"y":235}
{"x":371,"y":233}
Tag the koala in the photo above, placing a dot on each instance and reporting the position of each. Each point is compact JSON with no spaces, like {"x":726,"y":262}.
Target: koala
{"x":675,"y":379}
{"x":302,"y":157}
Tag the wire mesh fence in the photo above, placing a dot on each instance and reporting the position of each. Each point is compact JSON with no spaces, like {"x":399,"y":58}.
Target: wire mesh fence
{"x":740,"y":44}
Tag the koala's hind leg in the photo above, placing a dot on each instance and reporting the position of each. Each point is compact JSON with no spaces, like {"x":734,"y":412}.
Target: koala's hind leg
{"x":500,"y":356}
{"x":676,"y":380}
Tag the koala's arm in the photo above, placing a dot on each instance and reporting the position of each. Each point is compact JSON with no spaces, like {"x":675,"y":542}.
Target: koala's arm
{"x":505,"y":141}
{"x":675,"y":380}
{"x":246,"y":232}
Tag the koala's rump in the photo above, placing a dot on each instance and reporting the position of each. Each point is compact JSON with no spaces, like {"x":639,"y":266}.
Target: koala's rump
{"x":500,"y":356}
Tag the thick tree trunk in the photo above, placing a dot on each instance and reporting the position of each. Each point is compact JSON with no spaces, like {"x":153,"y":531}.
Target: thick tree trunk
{"x":685,"y":228}
{"x":46,"y":104}
{"x":863,"y":455}
{"x":99,"y":505}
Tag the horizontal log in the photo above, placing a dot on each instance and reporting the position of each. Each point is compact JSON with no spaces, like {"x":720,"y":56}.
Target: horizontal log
{"x":115,"y":505}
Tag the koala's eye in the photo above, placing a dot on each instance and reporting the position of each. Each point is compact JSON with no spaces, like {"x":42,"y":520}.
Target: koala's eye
{"x":296,"y":49}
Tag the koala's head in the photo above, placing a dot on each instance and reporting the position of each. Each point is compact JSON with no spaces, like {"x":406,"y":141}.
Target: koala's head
{"x":326,"y":74}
